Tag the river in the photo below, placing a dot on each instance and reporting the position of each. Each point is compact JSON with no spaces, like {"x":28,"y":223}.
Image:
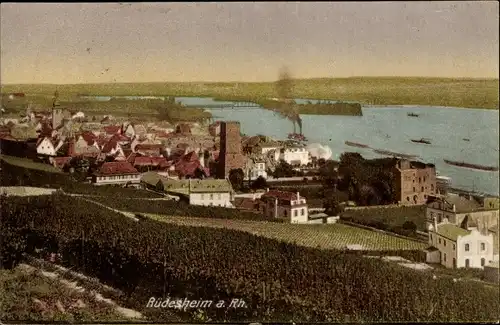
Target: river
{"x":390,"y":128}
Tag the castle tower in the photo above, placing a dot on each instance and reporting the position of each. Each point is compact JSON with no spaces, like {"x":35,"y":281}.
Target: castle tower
{"x":57,"y":113}
{"x":230,"y":156}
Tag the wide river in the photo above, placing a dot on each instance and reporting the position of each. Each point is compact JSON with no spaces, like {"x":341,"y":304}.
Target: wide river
{"x":390,"y":128}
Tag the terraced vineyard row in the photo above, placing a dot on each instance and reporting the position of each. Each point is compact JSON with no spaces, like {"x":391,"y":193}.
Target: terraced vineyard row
{"x":332,"y":236}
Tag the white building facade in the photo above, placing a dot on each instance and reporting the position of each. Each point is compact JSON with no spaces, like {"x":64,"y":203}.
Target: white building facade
{"x":460,"y":248}
{"x":295,"y":156}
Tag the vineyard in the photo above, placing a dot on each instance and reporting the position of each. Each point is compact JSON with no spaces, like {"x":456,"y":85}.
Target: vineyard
{"x":329,"y":236}
{"x":171,"y":207}
{"x":390,"y":218}
{"x":278,"y":281}
{"x":28,"y":295}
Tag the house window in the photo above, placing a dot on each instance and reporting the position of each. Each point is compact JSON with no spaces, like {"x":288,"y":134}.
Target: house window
{"x":422,"y":189}
{"x":444,"y":258}
{"x":453,"y":246}
{"x":302,"y":211}
{"x":211,"y":196}
{"x":285,"y":213}
{"x":420,"y":180}
{"x":467,"y":263}
{"x":218,"y":196}
{"x":454,"y":263}
{"x":482,"y":262}
{"x":431,"y":237}
{"x":444,"y":242}
{"x":407,"y":198}
{"x":414,"y":190}
{"x":294,"y":213}
{"x":432,"y":187}
{"x":466,"y":247}
{"x":439,"y":240}
{"x":483,"y":246}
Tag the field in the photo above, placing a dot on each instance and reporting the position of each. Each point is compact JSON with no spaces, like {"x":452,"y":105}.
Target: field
{"x":470,"y":93}
{"x":333,"y":236}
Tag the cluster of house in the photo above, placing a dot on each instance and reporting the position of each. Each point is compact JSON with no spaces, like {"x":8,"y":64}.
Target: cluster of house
{"x":463,"y":232}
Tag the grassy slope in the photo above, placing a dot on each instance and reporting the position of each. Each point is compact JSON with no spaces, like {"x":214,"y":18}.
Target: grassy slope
{"x":334,"y":236}
{"x":33,"y":297}
{"x":473,"y":93}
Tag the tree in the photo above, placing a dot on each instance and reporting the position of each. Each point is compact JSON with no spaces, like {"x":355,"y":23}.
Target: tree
{"x":236,"y":177}
{"x":259,"y":183}
{"x":283,"y":169}
{"x":331,"y":203}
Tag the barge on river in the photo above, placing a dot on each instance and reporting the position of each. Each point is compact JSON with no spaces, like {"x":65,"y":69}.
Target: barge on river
{"x":395,"y":154}
{"x":355,"y":144}
{"x":471,"y":166}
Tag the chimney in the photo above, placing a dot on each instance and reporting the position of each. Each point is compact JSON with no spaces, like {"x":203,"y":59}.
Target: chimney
{"x":454,"y":208}
{"x":276,"y":208}
{"x":435,"y":224}
{"x":298,"y":197}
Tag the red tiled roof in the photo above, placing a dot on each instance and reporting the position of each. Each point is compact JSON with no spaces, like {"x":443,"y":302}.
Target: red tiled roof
{"x":117,"y":168}
{"x":110,"y":145}
{"x":144,"y":146}
{"x":163,"y":134}
{"x":61,"y":161}
{"x":112,"y":129}
{"x":120,"y":137}
{"x":149,"y":161}
{"x":280,"y":195}
{"x":190,"y":157}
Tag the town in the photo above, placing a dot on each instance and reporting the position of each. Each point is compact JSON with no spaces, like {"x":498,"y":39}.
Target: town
{"x":318,"y":200}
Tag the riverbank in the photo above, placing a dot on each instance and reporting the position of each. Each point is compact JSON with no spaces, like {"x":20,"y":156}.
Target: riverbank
{"x":467,"y":93}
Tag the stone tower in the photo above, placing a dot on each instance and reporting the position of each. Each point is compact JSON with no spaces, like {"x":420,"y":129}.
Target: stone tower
{"x":57,"y":112}
{"x":230,"y":156}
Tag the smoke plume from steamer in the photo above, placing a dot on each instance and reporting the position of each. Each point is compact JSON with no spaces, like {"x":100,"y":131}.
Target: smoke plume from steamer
{"x":284,"y":88}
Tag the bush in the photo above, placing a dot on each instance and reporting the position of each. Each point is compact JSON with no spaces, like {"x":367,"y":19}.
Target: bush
{"x":278,"y":281}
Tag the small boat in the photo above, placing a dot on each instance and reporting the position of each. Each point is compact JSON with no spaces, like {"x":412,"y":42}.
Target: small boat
{"x":355,"y":144}
{"x":466,"y":139}
{"x":471,"y":166}
{"x":426,"y":141}
{"x":413,"y":115}
{"x":297,"y":137}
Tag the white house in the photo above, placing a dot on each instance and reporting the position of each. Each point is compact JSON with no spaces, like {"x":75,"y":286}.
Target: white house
{"x":455,"y":247}
{"x":205,"y":192}
{"x":211,"y":192}
{"x":116,"y":173}
{"x":281,"y":204}
{"x":295,"y":155}
{"x":256,"y":169}
{"x":48,"y":146}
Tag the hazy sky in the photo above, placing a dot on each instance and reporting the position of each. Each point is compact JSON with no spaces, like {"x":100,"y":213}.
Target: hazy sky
{"x":246,"y":41}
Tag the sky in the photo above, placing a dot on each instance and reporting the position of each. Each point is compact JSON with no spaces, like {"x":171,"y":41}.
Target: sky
{"x":250,"y":41}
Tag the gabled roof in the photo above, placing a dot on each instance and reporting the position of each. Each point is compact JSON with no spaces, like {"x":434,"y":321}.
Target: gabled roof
{"x":110,"y":145}
{"x":150,"y":161}
{"x":117,"y":168}
{"x":60,"y":162}
{"x":280,"y":195}
{"x":210,"y":186}
{"x":451,"y":231}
